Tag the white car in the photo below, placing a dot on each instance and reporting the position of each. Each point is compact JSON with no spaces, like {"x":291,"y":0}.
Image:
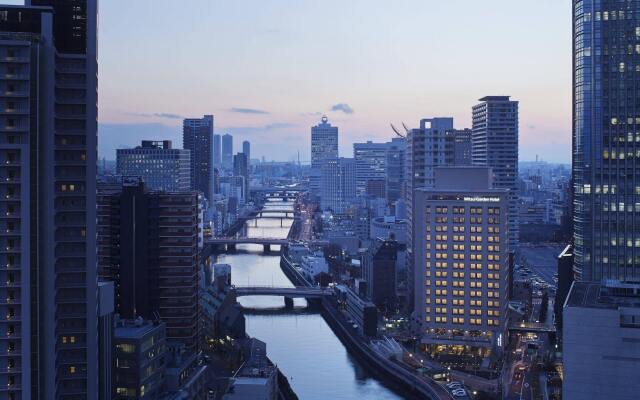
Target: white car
{"x":454,"y":385}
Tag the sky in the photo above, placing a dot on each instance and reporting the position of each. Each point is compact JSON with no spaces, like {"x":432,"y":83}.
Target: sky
{"x":268,"y":70}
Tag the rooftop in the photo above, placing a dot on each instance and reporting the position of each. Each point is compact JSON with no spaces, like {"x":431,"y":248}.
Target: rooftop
{"x":134,"y":329}
{"x":608,"y":295}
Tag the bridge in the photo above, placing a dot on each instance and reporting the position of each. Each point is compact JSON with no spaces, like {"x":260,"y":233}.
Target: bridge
{"x":531,"y":327}
{"x":290,"y":292}
{"x":272,"y":211}
{"x":231,"y":242}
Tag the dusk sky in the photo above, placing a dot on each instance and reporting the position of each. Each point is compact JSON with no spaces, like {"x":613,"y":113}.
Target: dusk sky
{"x":268,"y":70}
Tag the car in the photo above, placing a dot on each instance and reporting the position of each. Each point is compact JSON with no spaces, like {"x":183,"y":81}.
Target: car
{"x":454,"y":385}
{"x":459,"y":393}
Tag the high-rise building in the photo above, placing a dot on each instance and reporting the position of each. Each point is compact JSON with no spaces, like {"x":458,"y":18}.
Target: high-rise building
{"x":227,"y":152}
{"x":241,"y":168}
{"x":461,"y":261}
{"x":395,"y":166}
{"x":461,"y":140}
{"x":426,"y":149}
{"x":371,"y":163}
{"x":148,"y":243}
{"x":495,"y":145}
{"x":160,"y":166}
{"x":48,"y":154}
{"x":246,"y":149}
{"x":338,"y":184}
{"x":601,"y":336}
{"x":217,"y":151}
{"x":606,"y":140}
{"x":324,"y":146}
{"x":197,"y":137}
{"x":379,"y":265}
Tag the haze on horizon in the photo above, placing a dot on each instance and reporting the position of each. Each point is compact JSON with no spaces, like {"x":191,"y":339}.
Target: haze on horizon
{"x":268,"y":70}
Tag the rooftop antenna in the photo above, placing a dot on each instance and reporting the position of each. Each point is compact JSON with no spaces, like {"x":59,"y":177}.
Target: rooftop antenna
{"x":407,"y":130}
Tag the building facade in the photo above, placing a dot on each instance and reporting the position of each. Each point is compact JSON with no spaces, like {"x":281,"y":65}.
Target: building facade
{"x":217,"y":151}
{"x":394,"y":173}
{"x":338,"y":184}
{"x":461,"y":140}
{"x":227,"y":152}
{"x":601,"y":332}
{"x":246,"y":149}
{"x":495,"y":145}
{"x":48,"y":133}
{"x":197,"y":137}
{"x":140,"y":352}
{"x":148,"y":244}
{"x":371,"y":164}
{"x":241,"y":168}
{"x":379,"y":271}
{"x":160,"y":166}
{"x":606,"y":140}
{"x":461,"y":262}
{"x":324,"y":146}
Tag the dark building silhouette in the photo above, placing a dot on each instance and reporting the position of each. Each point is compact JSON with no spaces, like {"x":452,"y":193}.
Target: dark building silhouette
{"x":379,"y":270}
{"x":197,"y":137}
{"x":566,"y":277}
{"x":148,"y":244}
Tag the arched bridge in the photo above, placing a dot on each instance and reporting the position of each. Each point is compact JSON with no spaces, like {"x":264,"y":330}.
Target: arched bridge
{"x":290,"y":292}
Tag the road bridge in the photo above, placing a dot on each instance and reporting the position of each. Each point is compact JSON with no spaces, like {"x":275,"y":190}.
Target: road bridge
{"x":531,"y":327}
{"x":231,"y":242}
{"x":291,"y":292}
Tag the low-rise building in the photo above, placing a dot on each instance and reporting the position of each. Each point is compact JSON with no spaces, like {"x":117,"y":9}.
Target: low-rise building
{"x":362,"y":313}
{"x":313,"y":265}
{"x":139,"y":359}
{"x":257,"y":378}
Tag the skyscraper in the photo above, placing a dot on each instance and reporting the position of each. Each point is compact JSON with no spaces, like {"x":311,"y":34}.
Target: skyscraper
{"x":217,"y":151}
{"x":338,"y":184}
{"x":227,"y":152}
{"x":246,"y":149}
{"x":371,"y":163}
{"x":197,"y":137}
{"x":394,"y":173}
{"x":324,"y":146}
{"x":606,"y":140}
{"x":160,"y":166}
{"x":426,"y":149}
{"x":495,"y":145}
{"x":241,"y":168}
{"x":461,"y":140}
{"x":49,"y":288}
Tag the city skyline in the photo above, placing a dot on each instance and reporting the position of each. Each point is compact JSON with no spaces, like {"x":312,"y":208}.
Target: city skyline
{"x":360,"y":75}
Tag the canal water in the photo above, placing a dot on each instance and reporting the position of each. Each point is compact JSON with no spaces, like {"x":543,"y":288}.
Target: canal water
{"x":301,"y":344}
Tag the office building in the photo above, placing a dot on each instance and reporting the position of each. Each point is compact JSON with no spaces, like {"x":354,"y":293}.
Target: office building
{"x":241,"y":168}
{"x":324,"y":146}
{"x":461,"y":262}
{"x":234,"y":187}
{"x":363,"y":313}
{"x":371,"y":164}
{"x":106,"y":314}
{"x":389,"y":227}
{"x":379,"y":271}
{"x":160,"y":166}
{"x":140,"y":353}
{"x":50,"y":317}
{"x":217,"y":151}
{"x":246,"y":149}
{"x":461,"y":143}
{"x":197,"y":137}
{"x":148,"y":244}
{"x":426,"y":149}
{"x":606,"y":140}
{"x":495,"y":145}
{"x":395,"y":167}
{"x":338,"y":184}
{"x":601,"y":336}
{"x":257,"y":378}
{"x":227,"y":152}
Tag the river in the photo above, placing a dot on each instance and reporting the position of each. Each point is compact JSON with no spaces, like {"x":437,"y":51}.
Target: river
{"x":301,"y":344}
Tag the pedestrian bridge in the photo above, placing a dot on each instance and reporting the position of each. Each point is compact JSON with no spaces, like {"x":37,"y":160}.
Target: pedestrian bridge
{"x":290,"y":292}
